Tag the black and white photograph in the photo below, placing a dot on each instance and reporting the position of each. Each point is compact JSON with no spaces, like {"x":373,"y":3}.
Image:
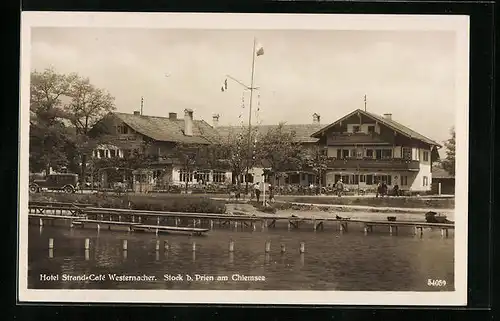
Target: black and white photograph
{"x":243,"y":158}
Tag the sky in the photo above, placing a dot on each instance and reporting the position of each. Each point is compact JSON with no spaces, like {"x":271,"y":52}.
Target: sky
{"x":410,"y":74}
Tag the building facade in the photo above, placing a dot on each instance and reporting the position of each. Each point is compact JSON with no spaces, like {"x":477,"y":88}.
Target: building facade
{"x":364,"y":149}
{"x":134,"y":134}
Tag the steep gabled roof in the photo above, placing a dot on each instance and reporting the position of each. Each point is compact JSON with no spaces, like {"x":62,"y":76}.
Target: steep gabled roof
{"x":394,"y":125}
{"x":302,"y":132}
{"x":166,"y":129}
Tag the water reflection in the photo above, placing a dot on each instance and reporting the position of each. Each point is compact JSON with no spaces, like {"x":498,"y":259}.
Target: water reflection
{"x":330,"y":260}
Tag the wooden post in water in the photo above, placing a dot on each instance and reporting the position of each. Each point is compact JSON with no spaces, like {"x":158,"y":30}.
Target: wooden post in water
{"x":119,"y":218}
{"x":51,"y":243}
{"x":125,"y":245}
{"x":314,"y":225}
{"x":158,"y":220}
{"x":133,"y":218}
{"x":87,"y":244}
{"x":194,"y":246}
{"x":289,"y":225}
{"x":211,"y":224}
{"x":302,"y":248}
{"x":157,"y":246}
{"x":390,"y":229}
{"x":231,"y":246}
{"x":41,"y":222}
{"x":268,"y":246}
{"x":165,"y":245}
{"x":366,"y":230}
{"x":444,"y":232}
{"x":283,"y":249}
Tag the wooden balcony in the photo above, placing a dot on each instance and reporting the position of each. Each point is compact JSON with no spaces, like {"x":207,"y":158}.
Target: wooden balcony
{"x":397,"y":164}
{"x":357,"y":138}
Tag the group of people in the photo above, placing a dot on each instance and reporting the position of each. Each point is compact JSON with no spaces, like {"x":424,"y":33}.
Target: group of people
{"x":257,"y":191}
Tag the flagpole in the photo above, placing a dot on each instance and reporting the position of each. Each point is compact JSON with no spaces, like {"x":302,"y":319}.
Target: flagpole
{"x":250,"y":116}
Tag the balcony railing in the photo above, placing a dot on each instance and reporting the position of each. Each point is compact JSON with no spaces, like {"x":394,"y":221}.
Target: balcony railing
{"x":356,"y":138}
{"x":375,"y":164}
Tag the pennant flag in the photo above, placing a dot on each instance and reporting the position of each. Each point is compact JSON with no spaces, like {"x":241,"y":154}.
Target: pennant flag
{"x":222,"y":89}
{"x":225,"y":84}
{"x":259,"y":50}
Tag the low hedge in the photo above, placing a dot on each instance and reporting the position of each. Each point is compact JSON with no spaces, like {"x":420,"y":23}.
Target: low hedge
{"x":403,"y":202}
{"x":170,"y":203}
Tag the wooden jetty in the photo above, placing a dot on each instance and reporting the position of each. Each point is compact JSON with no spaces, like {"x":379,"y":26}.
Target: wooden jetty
{"x":199,"y":223}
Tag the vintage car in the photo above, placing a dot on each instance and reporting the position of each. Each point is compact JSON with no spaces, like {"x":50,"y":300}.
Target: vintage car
{"x":65,"y":182}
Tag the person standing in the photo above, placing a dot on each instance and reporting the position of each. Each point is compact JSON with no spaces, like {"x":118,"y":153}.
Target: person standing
{"x":257,"y":191}
{"x":339,"y":187}
{"x":271,"y":193}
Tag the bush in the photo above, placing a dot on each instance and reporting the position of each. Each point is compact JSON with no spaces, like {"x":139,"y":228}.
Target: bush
{"x":169,"y":203}
{"x":271,"y":209}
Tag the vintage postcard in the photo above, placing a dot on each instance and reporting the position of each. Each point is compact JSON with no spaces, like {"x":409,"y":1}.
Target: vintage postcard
{"x":243,"y":159}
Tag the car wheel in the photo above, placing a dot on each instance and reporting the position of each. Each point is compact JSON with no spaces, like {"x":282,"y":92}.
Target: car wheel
{"x":33,"y":189}
{"x":68,"y":189}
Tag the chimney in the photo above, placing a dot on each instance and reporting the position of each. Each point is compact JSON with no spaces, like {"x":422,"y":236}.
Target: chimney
{"x":388,"y":116}
{"x":215,"y":120}
{"x":316,"y":118}
{"x":137,"y":113}
{"x":188,"y":122}
{"x":172,"y":116}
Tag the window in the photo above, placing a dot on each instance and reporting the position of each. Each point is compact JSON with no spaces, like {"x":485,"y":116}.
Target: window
{"x":112,"y":153}
{"x":345,"y":153}
{"x":425,"y":181}
{"x":406,"y":153}
{"x":337,"y":177}
{"x":371,"y":129}
{"x":101,"y":153}
{"x":352,"y":153}
{"x":355,"y":129}
{"x":186,"y":176}
{"x":369,"y":179}
{"x":387,"y":153}
{"x":378,"y":154}
{"x":339,"y":153}
{"x":219,"y":177}
{"x":355,"y":179}
{"x":362,"y":178}
{"x":106,"y":153}
{"x":202,"y":176}
{"x":426,"y":156}
{"x":369,"y":153}
{"x":345,"y":179}
{"x":404,"y":180}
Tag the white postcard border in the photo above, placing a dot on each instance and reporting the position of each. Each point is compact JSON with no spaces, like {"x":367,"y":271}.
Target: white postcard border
{"x":458,"y":24}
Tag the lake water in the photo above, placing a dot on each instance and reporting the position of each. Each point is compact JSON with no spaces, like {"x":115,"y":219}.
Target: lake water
{"x":349,"y":261}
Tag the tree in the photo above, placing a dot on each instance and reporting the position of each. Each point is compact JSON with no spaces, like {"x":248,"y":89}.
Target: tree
{"x":190,"y":157}
{"x":279,"y":150}
{"x":48,"y":132}
{"x":87,"y":106}
{"x":448,"y":163}
{"x":236,"y":151}
{"x":316,"y":160}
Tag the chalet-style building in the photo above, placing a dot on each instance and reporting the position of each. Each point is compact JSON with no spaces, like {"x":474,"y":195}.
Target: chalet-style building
{"x":364,"y":148}
{"x":156,"y":137}
{"x":129,"y":132}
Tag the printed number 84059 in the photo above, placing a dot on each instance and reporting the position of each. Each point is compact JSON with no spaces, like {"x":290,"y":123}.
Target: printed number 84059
{"x":431,"y":282}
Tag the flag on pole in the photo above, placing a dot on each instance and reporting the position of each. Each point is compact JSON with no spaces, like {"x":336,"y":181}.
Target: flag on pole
{"x":222,"y":88}
{"x":259,"y":50}
{"x":225,"y":84}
